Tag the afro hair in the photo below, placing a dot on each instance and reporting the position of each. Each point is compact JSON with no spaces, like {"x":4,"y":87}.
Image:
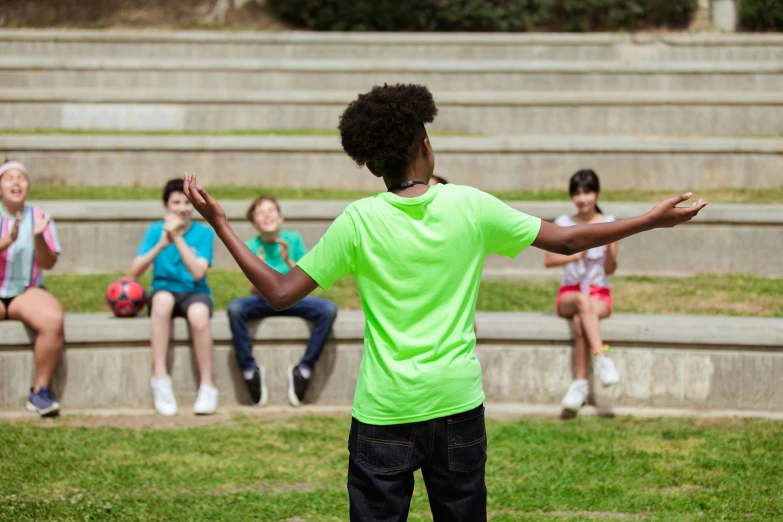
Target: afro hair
{"x":384,"y":127}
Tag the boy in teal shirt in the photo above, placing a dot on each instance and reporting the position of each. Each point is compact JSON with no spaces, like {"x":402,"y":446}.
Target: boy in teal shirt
{"x":180,"y":253}
{"x":281,"y":250}
{"x":417,"y":254}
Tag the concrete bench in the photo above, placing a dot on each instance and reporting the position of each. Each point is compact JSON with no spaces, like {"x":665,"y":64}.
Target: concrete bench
{"x":361,"y":74}
{"x":101,"y":236}
{"x":688,"y":113}
{"x":491,"y":163}
{"x":664,"y":361}
{"x":439,"y":46}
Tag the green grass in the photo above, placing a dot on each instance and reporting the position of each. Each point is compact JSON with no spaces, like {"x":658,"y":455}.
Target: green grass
{"x":699,"y":295}
{"x":59,"y":192}
{"x":294,"y":469}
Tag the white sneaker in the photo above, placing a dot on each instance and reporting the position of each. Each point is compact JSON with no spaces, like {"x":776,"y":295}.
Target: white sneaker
{"x":606,"y":370}
{"x":207,"y":400}
{"x":163,"y":394}
{"x":576,"y":395}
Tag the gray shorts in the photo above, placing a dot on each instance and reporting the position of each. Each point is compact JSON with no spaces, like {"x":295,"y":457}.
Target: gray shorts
{"x":183,"y":301}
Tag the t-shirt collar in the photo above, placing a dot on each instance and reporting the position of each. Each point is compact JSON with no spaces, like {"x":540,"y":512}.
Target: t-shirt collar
{"x":391,"y":197}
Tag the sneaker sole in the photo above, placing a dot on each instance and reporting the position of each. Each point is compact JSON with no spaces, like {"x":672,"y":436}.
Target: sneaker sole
{"x":573,"y":410}
{"x":292,"y":398}
{"x":51,"y":411}
{"x":205,"y":412}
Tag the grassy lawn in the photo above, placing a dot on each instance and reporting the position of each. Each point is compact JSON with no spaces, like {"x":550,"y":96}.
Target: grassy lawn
{"x":700,"y":295}
{"x":56,"y":192}
{"x":293,"y":469}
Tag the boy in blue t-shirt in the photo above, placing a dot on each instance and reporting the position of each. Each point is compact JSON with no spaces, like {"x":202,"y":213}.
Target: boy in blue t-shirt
{"x":180,"y":252}
{"x":280,"y":249}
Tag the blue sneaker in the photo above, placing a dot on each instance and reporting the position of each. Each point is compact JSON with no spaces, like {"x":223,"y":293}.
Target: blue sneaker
{"x":43,"y":403}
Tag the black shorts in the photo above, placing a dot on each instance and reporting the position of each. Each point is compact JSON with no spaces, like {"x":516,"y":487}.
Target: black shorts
{"x":7,"y":301}
{"x":183,"y":301}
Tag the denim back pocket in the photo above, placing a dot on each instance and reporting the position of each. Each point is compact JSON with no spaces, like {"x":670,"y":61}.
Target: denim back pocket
{"x":385,"y":448}
{"x":467,"y":440}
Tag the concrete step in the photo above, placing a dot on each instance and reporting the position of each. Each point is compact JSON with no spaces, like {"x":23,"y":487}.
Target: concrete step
{"x":488,"y":113}
{"x":489,"y":163}
{"x":102,"y":236}
{"x":663,"y":361}
{"x":200,"y":45}
{"x":360,"y":75}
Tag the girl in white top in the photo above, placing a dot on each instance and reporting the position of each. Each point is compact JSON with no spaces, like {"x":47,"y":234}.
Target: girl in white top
{"x":584,"y":295}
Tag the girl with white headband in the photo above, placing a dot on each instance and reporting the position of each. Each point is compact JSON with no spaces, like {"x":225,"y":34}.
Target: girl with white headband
{"x":29,"y":245}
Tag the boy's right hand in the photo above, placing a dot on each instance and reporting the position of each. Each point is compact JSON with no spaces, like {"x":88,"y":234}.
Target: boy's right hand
{"x":667,"y":214}
{"x":164,"y":240}
{"x":172,"y":225}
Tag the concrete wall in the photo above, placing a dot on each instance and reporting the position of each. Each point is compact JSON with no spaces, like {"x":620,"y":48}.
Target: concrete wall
{"x":103,"y":236}
{"x":663,"y":361}
{"x":294,"y":45}
{"x":490,"y":163}
{"x":523,"y":113}
{"x":360,"y":75}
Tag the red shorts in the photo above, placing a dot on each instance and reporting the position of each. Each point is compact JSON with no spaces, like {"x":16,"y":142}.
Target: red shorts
{"x":596,"y":292}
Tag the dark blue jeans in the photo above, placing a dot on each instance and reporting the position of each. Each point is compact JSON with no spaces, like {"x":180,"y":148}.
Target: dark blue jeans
{"x":321,"y":312}
{"x":451,"y":452}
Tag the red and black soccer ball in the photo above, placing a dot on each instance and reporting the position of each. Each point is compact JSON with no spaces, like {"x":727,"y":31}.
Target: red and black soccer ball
{"x":126,"y":297}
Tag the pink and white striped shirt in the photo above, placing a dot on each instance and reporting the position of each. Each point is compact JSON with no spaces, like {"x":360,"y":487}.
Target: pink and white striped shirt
{"x":19,"y":268}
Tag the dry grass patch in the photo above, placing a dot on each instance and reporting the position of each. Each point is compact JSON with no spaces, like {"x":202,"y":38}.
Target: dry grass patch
{"x":658,"y":445}
{"x":699,"y":295}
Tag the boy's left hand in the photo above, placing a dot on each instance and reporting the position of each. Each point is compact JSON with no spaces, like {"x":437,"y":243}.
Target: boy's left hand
{"x":203,"y":202}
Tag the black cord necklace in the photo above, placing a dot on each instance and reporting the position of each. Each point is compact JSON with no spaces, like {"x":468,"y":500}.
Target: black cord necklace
{"x":405,"y":184}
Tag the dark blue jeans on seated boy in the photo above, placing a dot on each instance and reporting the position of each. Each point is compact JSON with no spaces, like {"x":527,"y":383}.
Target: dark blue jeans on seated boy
{"x":451,"y":452}
{"x":321,"y":312}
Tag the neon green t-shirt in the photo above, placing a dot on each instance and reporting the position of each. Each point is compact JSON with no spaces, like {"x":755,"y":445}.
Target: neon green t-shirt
{"x":296,"y":249}
{"x":417,"y":263}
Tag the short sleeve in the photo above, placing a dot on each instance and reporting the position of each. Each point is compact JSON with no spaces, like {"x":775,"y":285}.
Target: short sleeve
{"x":151,"y":238}
{"x":334,"y":255}
{"x":505,"y":230}
{"x":50,"y":235}
{"x":563,"y":220}
{"x":298,"y":249}
{"x":204,"y":245}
